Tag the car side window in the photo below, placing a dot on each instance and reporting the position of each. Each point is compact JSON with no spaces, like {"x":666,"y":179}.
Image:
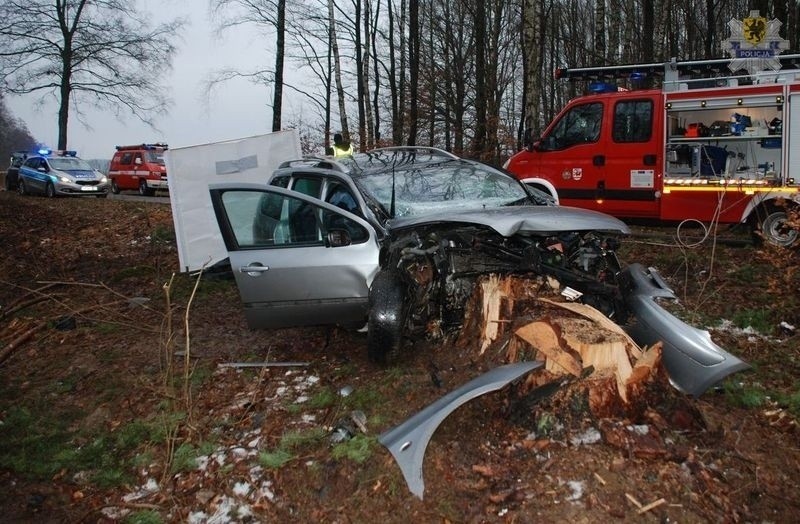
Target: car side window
{"x":340,"y":196}
{"x":266,"y":219}
{"x":126,"y":159}
{"x":308,"y":186}
{"x":633,"y":121}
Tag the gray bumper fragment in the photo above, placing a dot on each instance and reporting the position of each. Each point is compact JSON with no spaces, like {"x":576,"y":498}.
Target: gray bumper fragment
{"x":693,"y":361}
{"x":407,"y":441}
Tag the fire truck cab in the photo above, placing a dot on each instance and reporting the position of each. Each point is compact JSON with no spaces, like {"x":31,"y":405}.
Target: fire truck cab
{"x":139,"y":167}
{"x":702,"y":146}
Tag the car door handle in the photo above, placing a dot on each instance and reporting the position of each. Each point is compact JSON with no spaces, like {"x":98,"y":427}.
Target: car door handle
{"x":254,"y":270}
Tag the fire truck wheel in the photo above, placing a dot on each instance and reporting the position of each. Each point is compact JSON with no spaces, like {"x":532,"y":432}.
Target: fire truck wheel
{"x":776,"y":231}
{"x":144,"y":190}
{"x":114,"y":187}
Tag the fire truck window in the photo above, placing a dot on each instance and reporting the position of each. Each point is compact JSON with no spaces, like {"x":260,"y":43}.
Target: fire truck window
{"x":127,"y":158}
{"x":633,"y":121}
{"x":579,"y":125}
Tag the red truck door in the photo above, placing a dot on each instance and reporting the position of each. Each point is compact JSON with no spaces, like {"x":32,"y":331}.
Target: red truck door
{"x":603,"y":152}
{"x":630,"y":185}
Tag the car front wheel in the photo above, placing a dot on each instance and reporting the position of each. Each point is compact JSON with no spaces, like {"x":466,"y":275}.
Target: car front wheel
{"x":49,"y":190}
{"x":21,"y":189}
{"x":386,"y":318}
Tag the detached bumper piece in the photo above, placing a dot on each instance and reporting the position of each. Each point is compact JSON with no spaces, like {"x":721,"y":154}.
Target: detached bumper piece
{"x":407,"y":442}
{"x":693,"y":361}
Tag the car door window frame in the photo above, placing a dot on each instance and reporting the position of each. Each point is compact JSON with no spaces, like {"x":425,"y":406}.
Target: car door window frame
{"x":232,"y":242}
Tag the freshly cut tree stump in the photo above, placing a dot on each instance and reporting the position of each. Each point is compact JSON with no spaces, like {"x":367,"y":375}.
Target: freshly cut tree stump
{"x":526,"y":318}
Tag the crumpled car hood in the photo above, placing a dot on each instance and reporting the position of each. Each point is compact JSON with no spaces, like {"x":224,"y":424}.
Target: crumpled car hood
{"x":511,"y":220}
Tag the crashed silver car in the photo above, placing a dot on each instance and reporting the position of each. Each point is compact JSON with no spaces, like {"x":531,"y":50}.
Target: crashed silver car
{"x":398,"y":237}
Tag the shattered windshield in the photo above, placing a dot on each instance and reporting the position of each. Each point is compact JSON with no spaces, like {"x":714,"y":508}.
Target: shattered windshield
{"x":446,"y":185}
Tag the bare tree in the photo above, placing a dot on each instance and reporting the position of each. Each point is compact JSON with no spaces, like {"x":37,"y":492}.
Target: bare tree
{"x":99,"y":52}
{"x":269,"y":15}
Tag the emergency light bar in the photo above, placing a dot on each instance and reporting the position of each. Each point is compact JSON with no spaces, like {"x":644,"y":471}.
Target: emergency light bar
{"x":157,"y":145}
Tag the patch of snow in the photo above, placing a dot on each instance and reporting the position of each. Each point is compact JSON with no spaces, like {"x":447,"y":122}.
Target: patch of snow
{"x":639,"y":429}
{"x":114,"y":513}
{"x":265,"y":491}
{"x":149,"y":487}
{"x":254,"y":443}
{"x":301,"y":399}
{"x":308,"y":418}
{"x":576,"y":490}
{"x":202,"y":462}
{"x":281,"y":391}
{"x":590,"y":436}
{"x":242,"y":489}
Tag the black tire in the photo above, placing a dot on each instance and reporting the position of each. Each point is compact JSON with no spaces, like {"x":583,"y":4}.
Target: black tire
{"x":114,"y":187}
{"x":50,"y":190}
{"x":144,"y":190}
{"x":386,"y":318}
{"x":21,"y":189}
{"x":775,"y":231}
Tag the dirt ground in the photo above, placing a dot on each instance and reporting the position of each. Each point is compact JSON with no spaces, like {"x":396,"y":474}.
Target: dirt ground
{"x":99,"y":424}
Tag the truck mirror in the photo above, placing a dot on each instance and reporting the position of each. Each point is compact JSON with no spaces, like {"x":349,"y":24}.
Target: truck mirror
{"x":138,"y":161}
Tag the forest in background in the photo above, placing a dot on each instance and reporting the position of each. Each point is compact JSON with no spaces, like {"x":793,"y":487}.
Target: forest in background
{"x":463,"y":75}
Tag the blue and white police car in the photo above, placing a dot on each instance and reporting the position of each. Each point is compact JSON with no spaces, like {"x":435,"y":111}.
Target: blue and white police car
{"x":54,"y":173}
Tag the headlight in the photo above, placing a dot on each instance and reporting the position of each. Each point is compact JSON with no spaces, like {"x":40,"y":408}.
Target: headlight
{"x":64,"y":179}
{"x":103,"y":180}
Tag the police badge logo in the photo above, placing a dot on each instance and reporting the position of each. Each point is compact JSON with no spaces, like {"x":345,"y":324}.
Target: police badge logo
{"x":755,"y":29}
{"x":755,"y":43}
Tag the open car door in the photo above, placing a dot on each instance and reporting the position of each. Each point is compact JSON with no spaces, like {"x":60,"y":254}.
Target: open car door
{"x":297,"y":260}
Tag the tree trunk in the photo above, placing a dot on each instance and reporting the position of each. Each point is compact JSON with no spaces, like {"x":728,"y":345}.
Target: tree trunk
{"x":413,"y":66}
{"x":277,"y":102}
{"x":63,"y":104}
{"x":479,"y":140}
{"x":376,"y":74}
{"x":361,"y":96}
{"x":393,"y":88}
{"x":648,"y":28}
{"x":337,"y":67}
{"x":599,"y":32}
{"x":368,"y":141}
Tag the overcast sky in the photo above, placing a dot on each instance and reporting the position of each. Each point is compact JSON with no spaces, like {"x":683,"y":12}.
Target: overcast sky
{"x":236,"y":109}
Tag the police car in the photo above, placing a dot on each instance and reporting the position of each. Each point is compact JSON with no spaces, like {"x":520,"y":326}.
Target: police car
{"x":54,"y":173}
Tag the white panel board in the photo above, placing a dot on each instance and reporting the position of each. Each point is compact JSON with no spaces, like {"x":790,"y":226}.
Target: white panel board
{"x":191,"y":169}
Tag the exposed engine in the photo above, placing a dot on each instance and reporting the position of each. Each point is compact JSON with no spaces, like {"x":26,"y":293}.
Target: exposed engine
{"x":440,"y":265}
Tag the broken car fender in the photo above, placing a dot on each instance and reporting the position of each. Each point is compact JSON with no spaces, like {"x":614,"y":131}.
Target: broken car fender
{"x":407,"y":441}
{"x":694,"y":362}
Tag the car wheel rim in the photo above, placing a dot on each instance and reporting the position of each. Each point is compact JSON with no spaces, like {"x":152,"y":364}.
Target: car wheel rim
{"x":778,"y":232}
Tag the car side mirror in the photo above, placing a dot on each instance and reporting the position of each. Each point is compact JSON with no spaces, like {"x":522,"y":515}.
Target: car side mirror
{"x":547,"y":143}
{"x":339,"y":238}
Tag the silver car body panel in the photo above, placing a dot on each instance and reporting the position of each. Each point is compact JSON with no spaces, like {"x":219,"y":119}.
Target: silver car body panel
{"x":511,"y":220}
{"x":693,"y":361}
{"x":298,"y":284}
{"x":407,"y":442}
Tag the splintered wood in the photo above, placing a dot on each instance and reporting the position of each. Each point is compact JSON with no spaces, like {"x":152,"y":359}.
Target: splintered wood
{"x":530,"y":320}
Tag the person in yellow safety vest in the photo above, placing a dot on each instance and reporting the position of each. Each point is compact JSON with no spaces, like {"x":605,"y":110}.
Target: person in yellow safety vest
{"x":341,"y":147}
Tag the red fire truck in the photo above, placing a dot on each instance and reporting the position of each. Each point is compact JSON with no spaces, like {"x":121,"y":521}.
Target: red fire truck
{"x":703,"y":146}
{"x":139,"y":167}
